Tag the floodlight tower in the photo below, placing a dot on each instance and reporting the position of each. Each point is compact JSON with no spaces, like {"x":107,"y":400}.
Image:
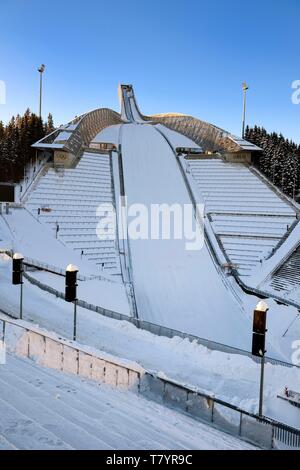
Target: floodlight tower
{"x":245,"y":88}
{"x":41,"y":70}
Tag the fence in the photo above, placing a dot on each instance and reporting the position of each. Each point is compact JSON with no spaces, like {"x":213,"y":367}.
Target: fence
{"x":262,"y":431}
{"x":30,"y":262}
{"x":158,"y":330}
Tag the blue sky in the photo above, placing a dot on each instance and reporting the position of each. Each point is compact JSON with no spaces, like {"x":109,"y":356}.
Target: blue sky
{"x":188,"y":56}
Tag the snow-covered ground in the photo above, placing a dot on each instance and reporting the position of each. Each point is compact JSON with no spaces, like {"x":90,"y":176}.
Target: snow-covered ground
{"x":44,"y":409}
{"x":230,"y":377}
{"x":34,"y":240}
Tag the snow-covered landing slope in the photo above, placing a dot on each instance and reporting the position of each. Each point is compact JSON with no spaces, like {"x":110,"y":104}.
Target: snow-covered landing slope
{"x":174,"y":287}
{"x":45,"y":409}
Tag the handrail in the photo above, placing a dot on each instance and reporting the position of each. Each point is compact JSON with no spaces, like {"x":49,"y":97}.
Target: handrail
{"x":55,"y":270}
{"x":211,"y":412}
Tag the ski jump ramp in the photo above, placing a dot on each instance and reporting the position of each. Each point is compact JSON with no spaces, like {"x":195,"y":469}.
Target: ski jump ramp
{"x":183,"y":289}
{"x":174,"y":286}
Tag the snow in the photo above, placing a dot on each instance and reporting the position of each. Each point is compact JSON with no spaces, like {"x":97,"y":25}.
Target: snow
{"x":33,"y":240}
{"x":176,"y":139}
{"x":78,"y":198}
{"x":249,"y":218}
{"x":286,"y":249}
{"x":109,"y":135}
{"x":230,"y":377}
{"x":45,"y":409}
{"x":173,"y":286}
{"x":180,"y":295}
{"x":91,"y":291}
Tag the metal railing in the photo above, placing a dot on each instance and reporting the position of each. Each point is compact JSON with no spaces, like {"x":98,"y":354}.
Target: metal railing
{"x":39,"y":265}
{"x":55,"y":270}
{"x":260,"y":430}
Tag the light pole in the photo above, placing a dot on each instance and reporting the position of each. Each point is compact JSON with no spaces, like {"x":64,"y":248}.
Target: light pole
{"x":17,"y":277}
{"x":41,"y":70}
{"x":71,"y":292}
{"x":245,"y":88}
{"x":258,"y":344}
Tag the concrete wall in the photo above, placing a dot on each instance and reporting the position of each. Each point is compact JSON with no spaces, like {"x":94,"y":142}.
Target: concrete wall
{"x":56,"y":353}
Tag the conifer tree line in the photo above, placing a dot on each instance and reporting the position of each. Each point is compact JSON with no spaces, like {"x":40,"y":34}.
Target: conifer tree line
{"x":279,"y":161}
{"x":16,"y":139}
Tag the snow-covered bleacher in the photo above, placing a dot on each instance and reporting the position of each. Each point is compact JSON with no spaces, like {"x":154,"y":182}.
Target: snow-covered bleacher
{"x":43,"y":408}
{"x":247,"y":216}
{"x":67,"y":199}
{"x":286,"y":278}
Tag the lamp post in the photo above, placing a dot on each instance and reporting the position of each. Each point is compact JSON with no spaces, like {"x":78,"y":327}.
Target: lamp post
{"x":71,"y":292}
{"x":17,"y":277}
{"x":41,"y":70}
{"x":245,"y":88}
{"x":258,"y":344}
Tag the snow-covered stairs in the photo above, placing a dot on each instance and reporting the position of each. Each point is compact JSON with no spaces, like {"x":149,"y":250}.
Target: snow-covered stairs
{"x":72,"y":197}
{"x":247,"y":216}
{"x":45,"y":409}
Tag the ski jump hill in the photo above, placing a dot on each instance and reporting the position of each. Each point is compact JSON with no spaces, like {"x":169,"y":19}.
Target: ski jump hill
{"x":251,"y":230}
{"x":176,"y":322}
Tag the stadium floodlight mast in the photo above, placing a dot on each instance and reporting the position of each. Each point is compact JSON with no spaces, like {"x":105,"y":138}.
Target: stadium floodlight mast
{"x":41,"y":70}
{"x":245,"y":88}
{"x":258,"y":344}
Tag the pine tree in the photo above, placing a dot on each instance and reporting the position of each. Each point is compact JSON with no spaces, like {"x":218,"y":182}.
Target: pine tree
{"x":279,"y":159}
{"x":49,"y":126}
{"x":16,"y":139}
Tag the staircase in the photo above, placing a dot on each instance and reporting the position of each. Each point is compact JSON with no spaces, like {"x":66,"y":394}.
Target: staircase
{"x":69,"y":198}
{"x":45,"y":409}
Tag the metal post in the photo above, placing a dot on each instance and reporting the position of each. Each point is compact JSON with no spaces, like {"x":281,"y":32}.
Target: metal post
{"x":245,"y":88}
{"x":75,"y":320}
{"x":41,"y":70}
{"x":3,"y":330}
{"x":41,"y":89}
{"x":261,"y":390}
{"x":21,"y":301}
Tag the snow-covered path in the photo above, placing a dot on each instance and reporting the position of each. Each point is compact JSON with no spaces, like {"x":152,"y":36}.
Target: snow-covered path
{"x":173,"y":286}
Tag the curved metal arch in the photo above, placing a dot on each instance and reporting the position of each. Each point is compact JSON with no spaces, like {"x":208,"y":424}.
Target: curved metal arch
{"x":79,"y":132}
